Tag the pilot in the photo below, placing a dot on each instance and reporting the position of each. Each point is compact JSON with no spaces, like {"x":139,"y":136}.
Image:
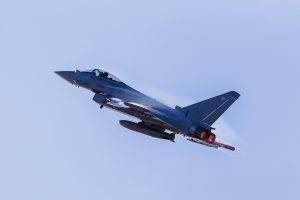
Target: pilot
{"x":104,"y":74}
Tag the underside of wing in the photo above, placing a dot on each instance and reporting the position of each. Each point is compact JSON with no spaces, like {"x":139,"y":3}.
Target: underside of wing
{"x":154,"y":116}
{"x":139,"y":111}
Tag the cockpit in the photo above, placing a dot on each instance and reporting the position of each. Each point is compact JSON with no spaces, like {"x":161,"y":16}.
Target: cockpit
{"x":102,"y":73}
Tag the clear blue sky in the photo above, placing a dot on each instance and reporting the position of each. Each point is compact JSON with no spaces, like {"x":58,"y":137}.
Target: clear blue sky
{"x":55,"y":142}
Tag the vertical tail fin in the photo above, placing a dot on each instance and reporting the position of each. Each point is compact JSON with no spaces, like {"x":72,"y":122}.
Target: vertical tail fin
{"x":210,"y":110}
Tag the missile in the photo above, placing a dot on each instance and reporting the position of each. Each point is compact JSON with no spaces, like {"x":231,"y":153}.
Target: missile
{"x":215,"y":144}
{"x":225,"y":146}
{"x":147,"y":130}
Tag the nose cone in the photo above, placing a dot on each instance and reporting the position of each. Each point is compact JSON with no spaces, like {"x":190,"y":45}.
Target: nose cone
{"x":67,"y":75}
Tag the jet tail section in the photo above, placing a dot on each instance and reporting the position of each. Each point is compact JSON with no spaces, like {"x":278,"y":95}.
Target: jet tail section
{"x":210,"y":110}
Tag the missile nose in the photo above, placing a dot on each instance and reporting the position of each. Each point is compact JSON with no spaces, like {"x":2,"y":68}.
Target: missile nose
{"x":66,"y":75}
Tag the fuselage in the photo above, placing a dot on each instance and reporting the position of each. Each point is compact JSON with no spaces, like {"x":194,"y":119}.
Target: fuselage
{"x":125,"y":93}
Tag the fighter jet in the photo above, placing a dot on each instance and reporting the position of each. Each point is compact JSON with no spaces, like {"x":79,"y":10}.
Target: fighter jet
{"x":194,"y":122}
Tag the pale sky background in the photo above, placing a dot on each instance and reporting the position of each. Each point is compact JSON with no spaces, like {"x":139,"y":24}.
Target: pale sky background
{"x":55,"y":142}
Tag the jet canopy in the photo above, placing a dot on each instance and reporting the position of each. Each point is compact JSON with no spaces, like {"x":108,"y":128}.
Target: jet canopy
{"x":105,"y":74}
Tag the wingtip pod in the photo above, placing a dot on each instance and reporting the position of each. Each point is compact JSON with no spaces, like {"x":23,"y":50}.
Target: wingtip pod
{"x":225,"y":146}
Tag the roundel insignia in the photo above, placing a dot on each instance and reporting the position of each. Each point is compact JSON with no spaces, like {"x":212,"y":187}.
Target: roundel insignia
{"x":223,"y":98}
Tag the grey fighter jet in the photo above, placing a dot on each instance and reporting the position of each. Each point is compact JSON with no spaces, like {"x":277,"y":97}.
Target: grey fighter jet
{"x":193,"y":122}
